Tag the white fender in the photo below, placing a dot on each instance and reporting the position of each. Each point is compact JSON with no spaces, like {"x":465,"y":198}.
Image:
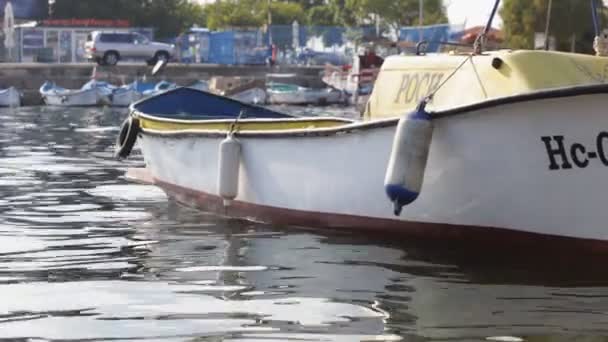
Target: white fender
{"x":411,"y":145}
{"x":228,"y":169}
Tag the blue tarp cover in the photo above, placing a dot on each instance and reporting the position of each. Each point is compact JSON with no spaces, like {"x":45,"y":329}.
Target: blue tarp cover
{"x":187,"y":103}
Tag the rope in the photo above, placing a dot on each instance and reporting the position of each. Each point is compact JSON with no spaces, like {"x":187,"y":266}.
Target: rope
{"x":232,"y":130}
{"x":429,"y":97}
{"x":483,"y":89}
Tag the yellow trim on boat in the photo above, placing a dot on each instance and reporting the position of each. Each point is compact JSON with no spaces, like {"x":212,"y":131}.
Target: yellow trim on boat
{"x":405,"y":80}
{"x":160,"y":124}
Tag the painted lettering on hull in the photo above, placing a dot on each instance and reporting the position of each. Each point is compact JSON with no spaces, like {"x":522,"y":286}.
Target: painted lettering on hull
{"x":563,"y":156}
{"x":415,"y":86}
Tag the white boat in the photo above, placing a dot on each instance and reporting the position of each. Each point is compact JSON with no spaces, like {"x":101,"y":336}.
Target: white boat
{"x":251,"y":96}
{"x":130,"y":93}
{"x":10,"y":97}
{"x":125,"y":96}
{"x":159,"y":88}
{"x":283,"y":93}
{"x":89,"y":95}
{"x":356,"y":81}
{"x":200,"y":85}
{"x":519,"y":156}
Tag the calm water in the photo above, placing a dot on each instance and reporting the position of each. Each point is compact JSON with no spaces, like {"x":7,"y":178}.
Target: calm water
{"x":85,"y":255}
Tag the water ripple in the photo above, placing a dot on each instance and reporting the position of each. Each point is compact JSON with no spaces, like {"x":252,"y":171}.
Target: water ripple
{"x":85,"y":255}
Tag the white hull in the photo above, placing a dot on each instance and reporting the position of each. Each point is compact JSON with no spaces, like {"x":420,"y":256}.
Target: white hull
{"x":251,"y":96}
{"x":324,"y":96}
{"x":10,"y":97}
{"x":75,"y":98}
{"x":125,"y":98}
{"x":350,"y":81}
{"x":487,"y":168}
{"x":342,"y":81}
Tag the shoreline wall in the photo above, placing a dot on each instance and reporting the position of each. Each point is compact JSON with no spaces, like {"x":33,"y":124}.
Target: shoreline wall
{"x":28,"y":77}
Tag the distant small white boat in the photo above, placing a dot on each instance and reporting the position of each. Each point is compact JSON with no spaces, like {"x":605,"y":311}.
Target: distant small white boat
{"x":91,"y":94}
{"x":10,"y":97}
{"x":200,"y":85}
{"x":251,"y":96}
{"x":160,"y":87}
{"x":283,"y":93}
{"x":124,"y":96}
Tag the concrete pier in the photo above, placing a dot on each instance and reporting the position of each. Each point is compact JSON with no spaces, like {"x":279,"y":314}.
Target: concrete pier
{"x":28,"y":77}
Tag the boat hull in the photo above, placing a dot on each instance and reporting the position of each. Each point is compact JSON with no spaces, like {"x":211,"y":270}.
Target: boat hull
{"x":10,"y":97}
{"x":76,"y":98}
{"x":304,"y":97}
{"x":251,"y":96}
{"x":125,"y":98}
{"x":492,"y":167}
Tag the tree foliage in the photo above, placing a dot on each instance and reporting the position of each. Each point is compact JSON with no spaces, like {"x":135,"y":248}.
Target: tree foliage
{"x":393,"y":13}
{"x":569,"y":19}
{"x":170,"y":17}
{"x":254,"y":13}
{"x":398,"y":13}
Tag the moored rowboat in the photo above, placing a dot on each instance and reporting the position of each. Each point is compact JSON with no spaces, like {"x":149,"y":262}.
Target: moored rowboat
{"x":89,"y":95}
{"x":10,"y":97}
{"x":291,"y":94}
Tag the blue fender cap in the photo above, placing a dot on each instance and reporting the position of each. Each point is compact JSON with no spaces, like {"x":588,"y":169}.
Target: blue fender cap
{"x":400,"y":195}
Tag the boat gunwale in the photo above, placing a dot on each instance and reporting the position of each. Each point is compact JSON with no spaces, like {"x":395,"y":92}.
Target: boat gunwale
{"x":67,"y":92}
{"x":545,"y":94}
{"x":229,"y":122}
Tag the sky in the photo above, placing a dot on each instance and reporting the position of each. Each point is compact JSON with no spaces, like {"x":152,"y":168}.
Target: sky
{"x":474,"y":12}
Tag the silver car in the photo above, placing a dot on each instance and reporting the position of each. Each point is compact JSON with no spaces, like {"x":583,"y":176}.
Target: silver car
{"x":107,"y":48}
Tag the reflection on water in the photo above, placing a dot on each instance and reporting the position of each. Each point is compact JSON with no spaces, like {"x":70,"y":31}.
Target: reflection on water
{"x":85,"y":255}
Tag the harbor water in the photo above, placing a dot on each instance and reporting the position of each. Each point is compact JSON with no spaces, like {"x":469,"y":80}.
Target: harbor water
{"x":87,"y":255}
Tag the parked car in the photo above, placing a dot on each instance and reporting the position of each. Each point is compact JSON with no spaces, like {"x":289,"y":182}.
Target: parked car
{"x":107,"y":48}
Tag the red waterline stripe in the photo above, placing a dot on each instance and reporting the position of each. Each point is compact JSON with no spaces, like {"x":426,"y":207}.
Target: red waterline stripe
{"x":485,"y":237}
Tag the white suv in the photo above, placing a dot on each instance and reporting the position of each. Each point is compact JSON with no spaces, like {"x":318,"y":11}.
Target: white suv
{"x":110,"y":47}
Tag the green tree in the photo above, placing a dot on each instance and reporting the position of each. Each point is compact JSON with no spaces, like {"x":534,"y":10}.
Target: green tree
{"x":322,"y":15}
{"x":397,"y":13}
{"x":170,"y":17}
{"x":519,"y":22}
{"x":570,"y":20}
{"x":251,"y":13}
{"x":229,"y":13}
{"x":307,"y":4}
{"x":343,"y":14}
{"x":285,"y":13}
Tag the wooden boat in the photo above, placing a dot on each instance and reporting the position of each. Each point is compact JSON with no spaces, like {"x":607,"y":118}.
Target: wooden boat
{"x":491,"y":148}
{"x":126,"y":95}
{"x":91,"y":94}
{"x":356,"y":80}
{"x":518,"y":156}
{"x":130,"y":93}
{"x":159,"y":88}
{"x":10,"y":97}
{"x":250,"y":95}
{"x":283,"y":93}
{"x":200,"y":85}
